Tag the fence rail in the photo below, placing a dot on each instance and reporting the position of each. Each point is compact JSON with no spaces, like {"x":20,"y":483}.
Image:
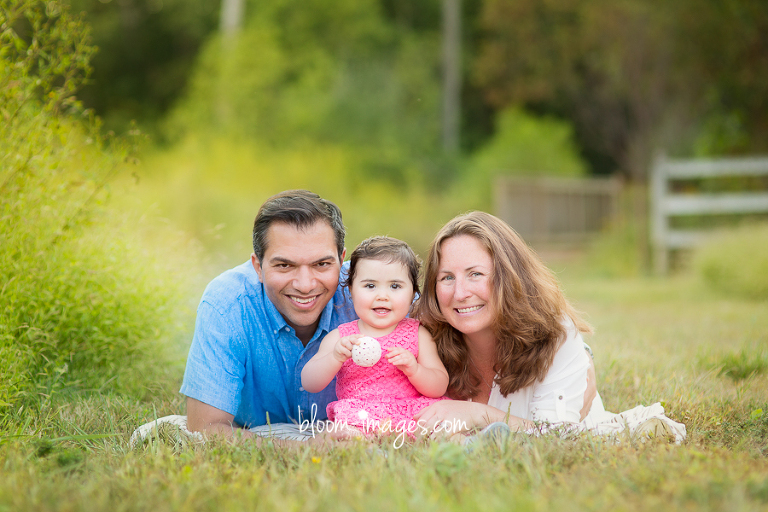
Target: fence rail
{"x":552,"y":211}
{"x":666,"y":204}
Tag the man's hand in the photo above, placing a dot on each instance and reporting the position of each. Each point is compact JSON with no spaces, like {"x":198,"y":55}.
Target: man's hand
{"x":591,"y":392}
{"x":209,"y":420}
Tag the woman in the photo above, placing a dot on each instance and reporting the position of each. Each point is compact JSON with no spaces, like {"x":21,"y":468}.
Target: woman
{"x":508,"y":337}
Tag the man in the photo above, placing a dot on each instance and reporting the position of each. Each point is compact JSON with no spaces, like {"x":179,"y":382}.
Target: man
{"x":259,"y":323}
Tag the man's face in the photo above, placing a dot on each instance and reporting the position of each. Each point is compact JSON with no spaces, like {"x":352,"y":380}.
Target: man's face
{"x":300,"y":273}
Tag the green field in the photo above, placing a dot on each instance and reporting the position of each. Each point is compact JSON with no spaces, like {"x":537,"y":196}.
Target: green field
{"x":704,"y":357}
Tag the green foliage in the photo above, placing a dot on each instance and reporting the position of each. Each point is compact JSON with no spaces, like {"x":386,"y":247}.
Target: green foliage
{"x":744,"y":364}
{"x":318,"y":73}
{"x":523,"y":145}
{"x":329,"y":96}
{"x":633,"y":75}
{"x":45,"y":57}
{"x":630,"y":76}
{"x":80,"y":297}
{"x":726,"y":44}
{"x":721,"y":133}
{"x":211,"y":187}
{"x":147,"y":50}
{"x":736,"y":261}
{"x":528,"y":145}
{"x":42,"y":56}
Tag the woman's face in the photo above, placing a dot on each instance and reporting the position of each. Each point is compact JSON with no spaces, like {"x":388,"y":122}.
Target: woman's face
{"x":463,"y":286}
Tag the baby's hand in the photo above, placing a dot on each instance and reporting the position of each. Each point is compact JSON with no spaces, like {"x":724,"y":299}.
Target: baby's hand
{"x":343,"y":348}
{"x":404,"y":360}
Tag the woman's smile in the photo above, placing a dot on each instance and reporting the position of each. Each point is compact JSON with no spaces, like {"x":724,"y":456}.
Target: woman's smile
{"x":470,"y":309}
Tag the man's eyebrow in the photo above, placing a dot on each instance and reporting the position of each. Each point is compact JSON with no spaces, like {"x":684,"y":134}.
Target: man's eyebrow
{"x":280,"y":259}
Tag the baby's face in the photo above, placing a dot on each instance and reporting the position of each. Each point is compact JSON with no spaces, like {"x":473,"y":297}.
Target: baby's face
{"x":382,"y":294}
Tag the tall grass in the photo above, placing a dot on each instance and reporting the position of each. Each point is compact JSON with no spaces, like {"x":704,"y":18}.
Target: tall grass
{"x":736,"y":261}
{"x":83,"y":304}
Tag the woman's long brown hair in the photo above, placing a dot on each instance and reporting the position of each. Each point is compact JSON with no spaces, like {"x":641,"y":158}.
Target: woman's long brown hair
{"x":528,"y":309}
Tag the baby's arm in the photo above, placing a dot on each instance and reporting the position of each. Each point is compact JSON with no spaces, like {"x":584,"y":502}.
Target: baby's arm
{"x":320,"y":370}
{"x":426,"y":372}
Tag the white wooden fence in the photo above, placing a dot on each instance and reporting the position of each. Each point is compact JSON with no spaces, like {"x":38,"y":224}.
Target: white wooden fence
{"x":556,"y":211}
{"x":666,"y":204}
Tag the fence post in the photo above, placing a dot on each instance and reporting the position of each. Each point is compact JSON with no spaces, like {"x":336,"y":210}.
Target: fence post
{"x":658,"y":218}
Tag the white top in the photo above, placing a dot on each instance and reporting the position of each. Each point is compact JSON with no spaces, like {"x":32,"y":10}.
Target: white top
{"x":560,"y":396}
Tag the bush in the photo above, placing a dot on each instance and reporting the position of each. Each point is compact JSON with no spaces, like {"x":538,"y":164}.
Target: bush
{"x":736,"y":261}
{"x":523,"y":145}
{"x":81,"y":304}
{"x":528,"y":145}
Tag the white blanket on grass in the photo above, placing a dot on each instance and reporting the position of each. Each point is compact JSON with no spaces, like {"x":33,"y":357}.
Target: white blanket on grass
{"x":601,"y":423}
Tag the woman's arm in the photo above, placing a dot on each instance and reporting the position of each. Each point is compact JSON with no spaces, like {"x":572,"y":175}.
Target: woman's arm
{"x":454,"y":416}
{"x":323,"y":367}
{"x":426,"y":372}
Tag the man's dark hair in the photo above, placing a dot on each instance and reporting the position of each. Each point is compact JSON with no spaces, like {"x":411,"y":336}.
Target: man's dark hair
{"x":299,"y":208}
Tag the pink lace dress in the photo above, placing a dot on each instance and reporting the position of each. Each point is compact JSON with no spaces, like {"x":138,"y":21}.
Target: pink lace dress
{"x":368,"y":398}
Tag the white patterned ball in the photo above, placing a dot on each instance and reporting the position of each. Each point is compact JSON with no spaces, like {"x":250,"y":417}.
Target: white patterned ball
{"x":367,"y":353}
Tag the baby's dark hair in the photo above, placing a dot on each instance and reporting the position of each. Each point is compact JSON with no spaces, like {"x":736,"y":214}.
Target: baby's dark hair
{"x":388,"y":250}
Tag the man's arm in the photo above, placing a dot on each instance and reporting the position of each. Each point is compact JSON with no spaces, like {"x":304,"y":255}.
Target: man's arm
{"x":209,"y":420}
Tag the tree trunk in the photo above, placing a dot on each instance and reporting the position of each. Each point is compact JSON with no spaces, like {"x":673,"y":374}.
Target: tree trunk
{"x":451,"y":74}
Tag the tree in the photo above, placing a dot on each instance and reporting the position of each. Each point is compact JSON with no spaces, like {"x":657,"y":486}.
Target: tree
{"x":146,"y":52}
{"x":633,"y":76}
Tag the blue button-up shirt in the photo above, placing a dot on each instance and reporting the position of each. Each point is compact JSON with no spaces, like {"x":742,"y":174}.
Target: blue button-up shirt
{"x":246,"y":360}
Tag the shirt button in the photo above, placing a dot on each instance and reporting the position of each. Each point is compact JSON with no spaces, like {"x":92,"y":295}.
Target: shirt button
{"x":560,"y":397}
{"x":301,"y":389}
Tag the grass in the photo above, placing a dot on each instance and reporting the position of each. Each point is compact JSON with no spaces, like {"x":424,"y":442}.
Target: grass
{"x":736,"y":261}
{"x":655,"y":340}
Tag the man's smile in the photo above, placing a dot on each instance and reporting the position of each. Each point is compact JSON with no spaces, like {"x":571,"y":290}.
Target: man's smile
{"x":303,"y":301}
